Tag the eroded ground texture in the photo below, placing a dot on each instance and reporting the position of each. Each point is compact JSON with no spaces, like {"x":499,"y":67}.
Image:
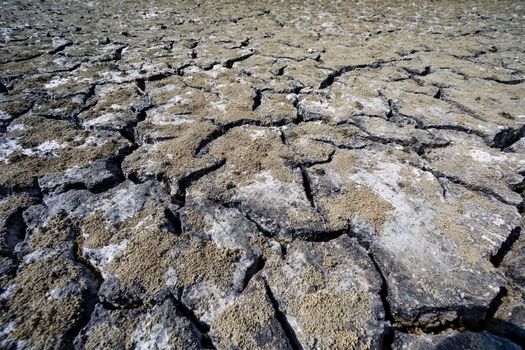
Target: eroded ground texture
{"x":262,"y":175}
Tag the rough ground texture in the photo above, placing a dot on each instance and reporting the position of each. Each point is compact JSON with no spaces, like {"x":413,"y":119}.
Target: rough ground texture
{"x":259,"y":175}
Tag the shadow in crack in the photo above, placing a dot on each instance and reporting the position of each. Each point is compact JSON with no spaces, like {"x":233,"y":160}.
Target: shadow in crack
{"x":508,"y":330}
{"x":471,"y":340}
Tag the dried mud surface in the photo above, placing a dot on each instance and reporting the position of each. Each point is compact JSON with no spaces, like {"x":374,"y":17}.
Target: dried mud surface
{"x":262,"y":175}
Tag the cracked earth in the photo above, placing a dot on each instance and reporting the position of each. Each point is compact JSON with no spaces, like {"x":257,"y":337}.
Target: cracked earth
{"x":262,"y":175}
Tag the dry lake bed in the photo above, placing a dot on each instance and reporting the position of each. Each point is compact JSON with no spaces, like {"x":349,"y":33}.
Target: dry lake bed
{"x":262,"y":175}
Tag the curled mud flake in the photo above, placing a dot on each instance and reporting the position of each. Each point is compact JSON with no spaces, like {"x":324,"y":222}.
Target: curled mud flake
{"x":46,"y":305}
{"x":360,"y":202}
{"x":250,"y":322}
{"x":145,"y":260}
{"x":205,"y":262}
